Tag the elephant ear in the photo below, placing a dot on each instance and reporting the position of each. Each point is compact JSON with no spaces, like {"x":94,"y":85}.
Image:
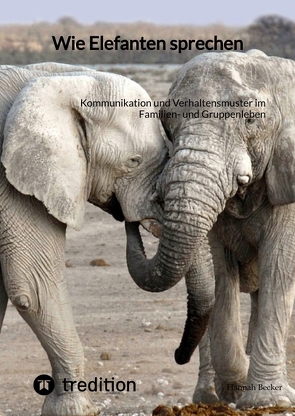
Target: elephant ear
{"x":280,"y":173}
{"x":42,"y":150}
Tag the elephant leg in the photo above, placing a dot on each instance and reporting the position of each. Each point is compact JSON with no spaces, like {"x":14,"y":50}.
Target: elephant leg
{"x":205,"y":389}
{"x":3,"y":299}
{"x":267,"y":370}
{"x":32,"y":259}
{"x":227,"y":350}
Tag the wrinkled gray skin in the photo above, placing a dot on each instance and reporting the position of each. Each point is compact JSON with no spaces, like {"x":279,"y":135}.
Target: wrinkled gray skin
{"x":227,"y":195}
{"x":56,"y":155}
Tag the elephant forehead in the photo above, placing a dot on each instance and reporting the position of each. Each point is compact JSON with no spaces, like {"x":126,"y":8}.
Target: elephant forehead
{"x":132,"y":90}
{"x":238,"y":68}
{"x":220,"y":73}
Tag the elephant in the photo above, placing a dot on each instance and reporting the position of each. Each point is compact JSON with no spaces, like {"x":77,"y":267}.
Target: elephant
{"x":56,"y":154}
{"x":227,"y":194}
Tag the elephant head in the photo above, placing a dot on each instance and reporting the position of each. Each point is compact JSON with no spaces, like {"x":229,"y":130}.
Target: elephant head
{"x":73,"y":135}
{"x":215,"y":159}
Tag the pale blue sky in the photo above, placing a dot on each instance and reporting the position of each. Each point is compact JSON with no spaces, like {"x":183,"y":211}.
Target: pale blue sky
{"x":229,"y":12}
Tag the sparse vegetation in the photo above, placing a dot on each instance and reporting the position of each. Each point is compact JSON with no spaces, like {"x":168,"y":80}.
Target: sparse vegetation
{"x":23,"y":44}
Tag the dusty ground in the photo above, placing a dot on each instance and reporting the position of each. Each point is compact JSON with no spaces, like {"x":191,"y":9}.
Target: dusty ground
{"x":137,"y":331}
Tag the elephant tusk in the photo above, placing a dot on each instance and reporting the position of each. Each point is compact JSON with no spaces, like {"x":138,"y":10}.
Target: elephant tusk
{"x":243,"y":179}
{"x":152,"y":226}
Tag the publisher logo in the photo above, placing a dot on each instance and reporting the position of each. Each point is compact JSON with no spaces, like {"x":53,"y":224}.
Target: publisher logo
{"x":44,"y":384}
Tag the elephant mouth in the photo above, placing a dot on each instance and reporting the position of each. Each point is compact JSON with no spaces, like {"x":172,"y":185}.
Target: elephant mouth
{"x":111,"y":206}
{"x":152,"y":226}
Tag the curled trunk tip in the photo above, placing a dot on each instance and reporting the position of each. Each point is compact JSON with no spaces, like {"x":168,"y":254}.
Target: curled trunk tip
{"x":154,"y":275}
{"x":194,"y":330}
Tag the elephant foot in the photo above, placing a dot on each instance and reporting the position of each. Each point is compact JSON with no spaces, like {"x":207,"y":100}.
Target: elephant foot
{"x":205,"y":394}
{"x":268,"y":394}
{"x":228,"y":392}
{"x":69,"y":404}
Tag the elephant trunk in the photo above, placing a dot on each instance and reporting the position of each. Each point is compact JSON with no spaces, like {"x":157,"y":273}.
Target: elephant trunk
{"x":188,"y":216}
{"x":200,"y":289}
{"x":194,"y":190}
{"x":199,"y":201}
{"x":165,"y":269}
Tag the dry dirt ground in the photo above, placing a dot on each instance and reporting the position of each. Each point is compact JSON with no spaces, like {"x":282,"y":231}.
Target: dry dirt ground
{"x":127,"y":333}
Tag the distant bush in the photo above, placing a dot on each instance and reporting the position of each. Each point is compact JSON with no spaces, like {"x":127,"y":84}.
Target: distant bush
{"x":275,"y":35}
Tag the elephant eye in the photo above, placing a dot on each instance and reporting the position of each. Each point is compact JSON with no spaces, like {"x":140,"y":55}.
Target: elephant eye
{"x":249,"y":121}
{"x":134,"y":161}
